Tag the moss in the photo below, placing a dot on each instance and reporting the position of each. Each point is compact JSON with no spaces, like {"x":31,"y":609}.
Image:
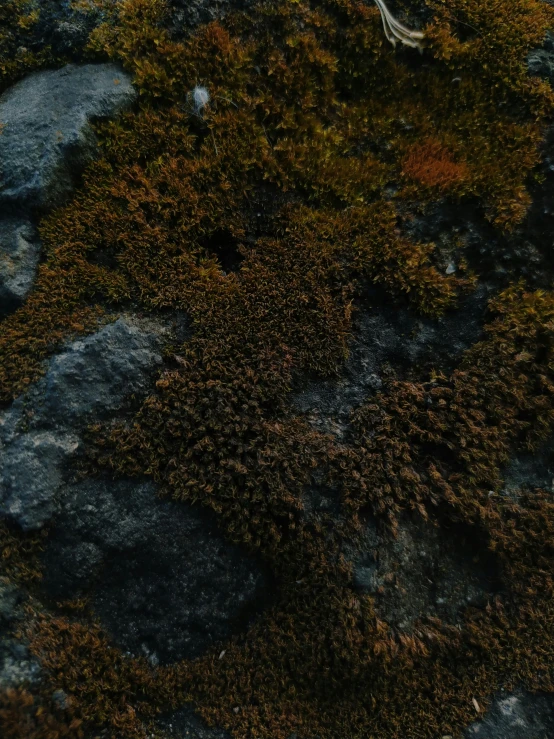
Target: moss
{"x":20,"y":553}
{"x":18,"y":18}
{"x":311,"y":109}
{"x":105,"y":688}
{"x":26,"y":716}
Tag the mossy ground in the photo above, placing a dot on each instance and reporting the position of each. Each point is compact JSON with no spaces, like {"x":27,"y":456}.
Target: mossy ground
{"x":312,"y":109}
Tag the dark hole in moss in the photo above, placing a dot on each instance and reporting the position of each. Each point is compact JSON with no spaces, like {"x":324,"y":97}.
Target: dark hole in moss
{"x":222,"y":245}
{"x":104,"y":258}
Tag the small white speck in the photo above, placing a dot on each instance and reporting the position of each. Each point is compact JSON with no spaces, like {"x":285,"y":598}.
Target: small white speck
{"x":200,"y":98}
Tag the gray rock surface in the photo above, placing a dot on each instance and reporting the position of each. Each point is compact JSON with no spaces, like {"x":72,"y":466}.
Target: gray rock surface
{"x":425,"y":570}
{"x":162,"y":579}
{"x":530,"y":471}
{"x":19,"y":256}
{"x":93,"y":375}
{"x":517,"y":715}
{"x":540,"y":62}
{"x":46,"y":134}
{"x":32,"y":474}
{"x":187,"y":14}
{"x":387,"y":335}
{"x":184,"y":724}
{"x":16,"y":664}
{"x":87,"y":380}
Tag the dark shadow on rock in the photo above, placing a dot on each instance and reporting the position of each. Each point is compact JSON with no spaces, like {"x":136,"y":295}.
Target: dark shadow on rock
{"x":161,"y":577}
{"x":388,"y":336}
{"x":426,"y":570}
{"x":185,"y":724}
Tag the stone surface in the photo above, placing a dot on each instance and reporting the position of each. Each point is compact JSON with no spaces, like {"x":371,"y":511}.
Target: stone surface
{"x":89,"y":379}
{"x":17,"y":667}
{"x":93,"y":375}
{"x":386,"y":335}
{"x":162,"y":579}
{"x":184,"y":724}
{"x":425,"y":570}
{"x":32,"y":474}
{"x":19,"y":256}
{"x":541,"y":61}
{"x":187,"y":14}
{"x":517,"y":715}
{"x":46,"y":134}
{"x":530,"y":471}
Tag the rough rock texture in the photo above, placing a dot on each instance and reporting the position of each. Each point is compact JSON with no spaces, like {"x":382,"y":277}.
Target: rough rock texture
{"x":164,"y":582}
{"x":46,"y":134}
{"x":518,"y":715}
{"x":541,"y":61}
{"x":38,"y":434}
{"x":17,"y":667}
{"x":184,"y":724}
{"x":187,"y":14}
{"x":385,"y":335}
{"x":527,"y":471}
{"x":19,"y":255}
{"x":424,"y":570}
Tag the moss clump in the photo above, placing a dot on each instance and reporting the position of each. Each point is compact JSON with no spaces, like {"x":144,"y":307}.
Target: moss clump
{"x":105,"y":688}
{"x":311,"y":110}
{"x":18,"y":18}
{"x":24,"y":715}
{"x":20,"y":554}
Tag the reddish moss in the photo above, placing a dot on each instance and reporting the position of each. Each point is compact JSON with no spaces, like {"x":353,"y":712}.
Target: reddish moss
{"x":430,"y":164}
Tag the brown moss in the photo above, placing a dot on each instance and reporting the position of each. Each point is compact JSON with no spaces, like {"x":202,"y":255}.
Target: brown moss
{"x":20,"y":553}
{"x":104,"y":687}
{"x":17,"y":20}
{"x":26,"y":716}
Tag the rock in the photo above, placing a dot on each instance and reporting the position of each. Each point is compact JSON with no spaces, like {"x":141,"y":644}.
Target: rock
{"x":388,"y":335}
{"x":39,"y":433}
{"x":184,"y":724}
{"x":518,"y":715}
{"x":17,"y":667}
{"x":46,"y":133}
{"x":540,"y":62}
{"x":530,"y":471}
{"x":425,"y":570}
{"x":187,"y":14}
{"x":19,"y":256}
{"x":10,"y":601}
{"x":93,"y":375}
{"x":31,"y":475}
{"x":162,"y":579}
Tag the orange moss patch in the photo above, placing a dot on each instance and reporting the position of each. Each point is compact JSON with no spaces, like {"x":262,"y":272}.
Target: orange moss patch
{"x":26,"y":716}
{"x":430,"y":164}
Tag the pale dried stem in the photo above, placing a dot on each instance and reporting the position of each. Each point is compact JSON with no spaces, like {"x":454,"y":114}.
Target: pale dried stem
{"x":396,"y":31}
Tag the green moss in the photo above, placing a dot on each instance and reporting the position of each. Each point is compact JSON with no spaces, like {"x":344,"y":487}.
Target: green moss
{"x":312,"y":110}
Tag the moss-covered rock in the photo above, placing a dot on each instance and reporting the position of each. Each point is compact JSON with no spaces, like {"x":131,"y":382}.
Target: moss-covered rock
{"x":327,"y":174}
